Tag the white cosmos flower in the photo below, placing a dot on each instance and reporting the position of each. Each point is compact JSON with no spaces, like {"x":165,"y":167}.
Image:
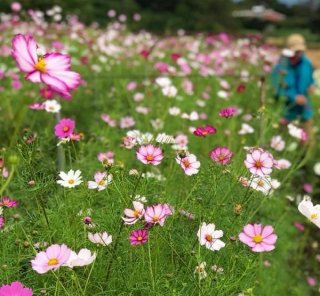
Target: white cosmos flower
{"x":163,"y":138}
{"x":174,"y":111}
{"x":169,"y":91}
{"x":246,"y":129}
{"x":310,"y":211}
{"x":83,"y":258}
{"x":70,"y":179}
{"x":277,"y":143}
{"x":52,"y":106}
{"x":296,"y":132}
{"x":222,"y":94}
{"x":316,"y":168}
{"x":262,"y":184}
{"x":100,"y":238}
{"x":209,"y":237}
{"x":101,"y":181}
{"x":163,"y":81}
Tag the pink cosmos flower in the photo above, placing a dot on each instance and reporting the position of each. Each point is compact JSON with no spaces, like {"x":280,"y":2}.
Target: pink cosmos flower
{"x":7,"y":202}
{"x":127,"y":122}
{"x":227,"y":112}
{"x":1,"y":222}
{"x":52,"y":69}
{"x":162,"y":67}
{"x":64,"y":128}
{"x":15,"y":289}
{"x":110,"y":121}
{"x":52,"y":258}
{"x":189,"y":164}
{"x":312,"y":282}
{"x":106,"y":157}
{"x":138,"y":237}
{"x":259,"y":238}
{"x":156,"y":214}
{"x":221,"y":155}
{"x":149,"y":154}
{"x":16,"y":6}
{"x":37,"y":106}
{"x":259,"y":162}
{"x":132,"y":216}
{"x":205,"y":131}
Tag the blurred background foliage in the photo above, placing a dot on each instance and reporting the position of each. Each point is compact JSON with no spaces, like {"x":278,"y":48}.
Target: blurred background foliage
{"x":192,"y":15}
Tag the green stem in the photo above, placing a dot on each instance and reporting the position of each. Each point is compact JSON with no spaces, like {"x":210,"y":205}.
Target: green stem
{"x":5,"y":185}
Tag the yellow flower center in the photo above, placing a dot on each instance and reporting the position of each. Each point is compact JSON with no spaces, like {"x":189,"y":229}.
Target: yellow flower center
{"x":221,"y":157}
{"x":41,"y":65}
{"x":258,"y":164}
{"x":53,"y":261}
{"x":149,"y":157}
{"x":257,"y":238}
{"x":71,"y":181}
{"x":186,"y":163}
{"x":155,"y":218}
{"x":139,"y":238}
{"x":65,"y":128}
{"x":101,"y":182}
{"x":260,"y":183}
{"x":314,"y":216}
{"x":209,"y":238}
{"x":136,"y":214}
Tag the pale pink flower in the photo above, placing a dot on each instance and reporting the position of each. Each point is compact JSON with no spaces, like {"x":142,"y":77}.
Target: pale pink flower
{"x":156,"y":214}
{"x":52,"y":258}
{"x":259,"y":162}
{"x":277,"y":143}
{"x":127,"y":122}
{"x":53,"y":69}
{"x":189,"y":164}
{"x":149,"y":154}
{"x":101,"y":181}
{"x":258,"y":237}
{"x":132,"y":216}
{"x":221,"y":155}
{"x":210,"y":237}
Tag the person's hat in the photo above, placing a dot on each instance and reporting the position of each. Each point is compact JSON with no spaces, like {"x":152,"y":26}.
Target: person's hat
{"x":296,"y":42}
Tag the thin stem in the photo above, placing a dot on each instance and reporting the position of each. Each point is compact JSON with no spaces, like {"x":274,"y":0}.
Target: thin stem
{"x":150,"y":267}
{"x":5,"y":185}
{"x":87,"y":281}
{"x":60,"y":150}
{"x":63,"y":287}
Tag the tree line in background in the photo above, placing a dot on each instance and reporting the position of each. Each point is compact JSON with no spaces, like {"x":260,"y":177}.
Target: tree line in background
{"x":191,"y":15}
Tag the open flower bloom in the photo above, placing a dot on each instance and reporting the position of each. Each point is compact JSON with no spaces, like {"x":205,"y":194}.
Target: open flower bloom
{"x":205,"y":131}
{"x":312,"y":212}
{"x":149,"y":154}
{"x":138,"y":237}
{"x":132,"y":216}
{"x":227,"y":112}
{"x":15,"y":289}
{"x":157,"y":214}
{"x":52,"y":258}
{"x":64,"y":128}
{"x":100,"y":238}
{"x":221,"y":155}
{"x":259,"y":238}
{"x":53,"y":69}
{"x":201,"y":271}
{"x":101,"y":181}
{"x":71,"y":179}
{"x":189,"y":164}
{"x":259,"y":162}
{"x":209,"y":237}
{"x":83,"y":258}
{"x":7,"y":202}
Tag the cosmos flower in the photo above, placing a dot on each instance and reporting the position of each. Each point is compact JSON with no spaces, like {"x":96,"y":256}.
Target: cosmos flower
{"x":221,"y":155}
{"x":52,"y":69}
{"x":258,"y":237}
{"x":312,"y":212}
{"x":189,"y":164}
{"x":52,"y":106}
{"x":138,"y":237}
{"x":201,"y":271}
{"x":156,"y":214}
{"x":205,"y":131}
{"x":227,"y":112}
{"x":100,"y":238}
{"x":259,"y":162}
{"x":83,"y":258}
{"x":64,"y":128}
{"x":54,"y":257}
{"x":7,"y":202}
{"x":277,"y":143}
{"x":15,"y":289}
{"x":210,"y":237}
{"x":132,"y":216}
{"x":101,"y":181}
{"x":70,"y":179}
{"x":149,"y":154}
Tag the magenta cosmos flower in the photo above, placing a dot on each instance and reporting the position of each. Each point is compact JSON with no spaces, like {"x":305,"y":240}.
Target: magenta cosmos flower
{"x":259,"y":162}
{"x":149,"y":154}
{"x":64,"y":128}
{"x":157,"y":214}
{"x":52,"y":258}
{"x":52,"y":69}
{"x":138,"y":237}
{"x":15,"y":289}
{"x":7,"y":202}
{"x":227,"y":112}
{"x":259,"y":238}
{"x":221,"y":155}
{"x":203,"y":131}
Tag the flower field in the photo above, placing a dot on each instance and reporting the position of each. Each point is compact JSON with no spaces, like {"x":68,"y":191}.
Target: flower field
{"x":136,"y":164}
